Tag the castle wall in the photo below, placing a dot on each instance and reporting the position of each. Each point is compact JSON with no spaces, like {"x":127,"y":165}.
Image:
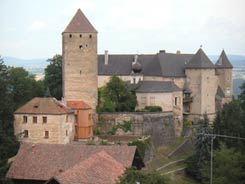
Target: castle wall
{"x":60,"y":128}
{"x":80,"y":67}
{"x":203,"y":84}
{"x":163,"y":100}
{"x":179,"y":81}
{"x":160,"y":125}
{"x":224,"y":80}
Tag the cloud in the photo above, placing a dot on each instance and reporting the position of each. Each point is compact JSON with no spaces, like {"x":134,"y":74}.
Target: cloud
{"x":37,"y":25}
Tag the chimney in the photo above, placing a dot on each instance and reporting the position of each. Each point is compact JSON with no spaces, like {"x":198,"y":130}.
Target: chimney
{"x":162,"y":51}
{"x":106,"y":57}
{"x":178,"y":52}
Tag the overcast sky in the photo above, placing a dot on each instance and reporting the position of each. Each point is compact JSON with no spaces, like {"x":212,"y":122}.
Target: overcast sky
{"x":32,"y":28}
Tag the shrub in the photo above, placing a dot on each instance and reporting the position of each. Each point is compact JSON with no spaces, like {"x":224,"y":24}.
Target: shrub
{"x":153,"y":108}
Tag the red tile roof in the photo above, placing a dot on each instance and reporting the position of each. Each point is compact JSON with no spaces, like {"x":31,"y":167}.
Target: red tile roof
{"x":80,"y":24}
{"x":77,"y":105}
{"x":100,"y":168}
{"x":44,"y":161}
{"x":43,"y":106}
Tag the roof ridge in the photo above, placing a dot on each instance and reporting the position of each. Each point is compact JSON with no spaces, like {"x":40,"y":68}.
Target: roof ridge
{"x":79,"y":24}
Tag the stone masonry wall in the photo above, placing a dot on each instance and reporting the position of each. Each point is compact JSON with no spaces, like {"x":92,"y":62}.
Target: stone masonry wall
{"x":60,"y":130}
{"x":160,"y":125}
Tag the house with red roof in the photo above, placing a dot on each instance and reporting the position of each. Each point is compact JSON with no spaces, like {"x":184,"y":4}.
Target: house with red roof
{"x":47,"y":120}
{"x":72,"y":163}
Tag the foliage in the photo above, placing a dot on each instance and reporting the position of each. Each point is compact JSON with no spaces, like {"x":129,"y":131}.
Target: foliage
{"x":125,"y":126}
{"x":53,"y":76}
{"x":142,"y":145}
{"x":97,"y":131}
{"x":197,"y":161}
{"x":228,"y":167}
{"x":133,"y":176}
{"x":104,"y":142}
{"x":241,"y":97}
{"x":230,"y":121}
{"x":17,"y":87}
{"x":153,"y":109}
{"x":116,"y":96}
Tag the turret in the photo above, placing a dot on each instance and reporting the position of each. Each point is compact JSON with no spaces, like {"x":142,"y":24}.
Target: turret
{"x":224,"y":75}
{"x":79,"y":45}
{"x":200,"y":72}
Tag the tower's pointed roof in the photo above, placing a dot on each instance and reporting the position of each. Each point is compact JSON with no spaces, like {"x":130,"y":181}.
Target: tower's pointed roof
{"x":80,"y":24}
{"x":200,"y":60}
{"x":223,"y":61}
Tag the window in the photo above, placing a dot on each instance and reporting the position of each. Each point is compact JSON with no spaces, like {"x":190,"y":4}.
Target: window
{"x":175,"y":101}
{"x":134,"y":80}
{"x":90,"y":36}
{"x":70,"y":35}
{"x":46,"y":135}
{"x":66,"y":118}
{"x":143,"y":101}
{"x":34,"y":119}
{"x":25,"y":133}
{"x":75,"y":118}
{"x":228,"y":91}
{"x":44,"y":119}
{"x":24,"y":119}
{"x":80,"y":36}
{"x":89,"y":116}
{"x":152,"y":100}
{"x":80,"y":46}
{"x":66,"y":132}
{"x":89,"y":130}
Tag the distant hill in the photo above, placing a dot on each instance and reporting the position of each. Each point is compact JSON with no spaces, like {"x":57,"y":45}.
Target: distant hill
{"x":236,"y":86}
{"x":236,"y":60}
{"x":26,"y":63}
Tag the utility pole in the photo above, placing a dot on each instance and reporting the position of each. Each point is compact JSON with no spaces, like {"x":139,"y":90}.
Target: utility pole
{"x":213,"y":136}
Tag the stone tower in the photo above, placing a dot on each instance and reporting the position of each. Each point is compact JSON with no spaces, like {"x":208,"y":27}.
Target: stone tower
{"x":200,"y":72}
{"x":224,"y":76}
{"x":79,"y":50}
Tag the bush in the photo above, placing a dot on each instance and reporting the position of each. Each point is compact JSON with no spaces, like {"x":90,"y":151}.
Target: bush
{"x":142,"y":145}
{"x":97,"y":131}
{"x":125,"y":126}
{"x":153,"y":108}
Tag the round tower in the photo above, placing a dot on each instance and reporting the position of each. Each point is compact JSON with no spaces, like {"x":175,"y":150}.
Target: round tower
{"x":79,"y":51}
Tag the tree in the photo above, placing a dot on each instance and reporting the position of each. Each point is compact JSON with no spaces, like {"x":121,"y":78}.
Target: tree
{"x":228,"y":167}
{"x":116,"y":96}
{"x":17,"y":87}
{"x":132,"y":176}
{"x":197,"y":161}
{"x":53,"y":76}
{"x":241,"y":97}
{"x":23,"y":86}
{"x":230,"y":121}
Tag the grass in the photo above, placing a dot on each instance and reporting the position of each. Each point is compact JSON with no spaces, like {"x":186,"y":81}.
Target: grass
{"x":161,"y":158}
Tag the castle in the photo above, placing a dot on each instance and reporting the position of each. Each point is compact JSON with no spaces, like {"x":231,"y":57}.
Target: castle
{"x":188,"y":85}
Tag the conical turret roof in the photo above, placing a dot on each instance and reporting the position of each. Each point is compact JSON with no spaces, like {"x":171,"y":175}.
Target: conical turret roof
{"x":199,"y":60}
{"x":223,"y":61}
{"x":80,"y":24}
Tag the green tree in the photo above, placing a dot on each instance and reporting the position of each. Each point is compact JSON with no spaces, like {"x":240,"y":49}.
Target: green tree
{"x":17,"y":87}
{"x":53,"y":76}
{"x":23,"y":86}
{"x":116,"y":96}
{"x":132,"y":176}
{"x":197,"y":161}
{"x":241,"y":97}
{"x":230,"y":121}
{"x":228,"y":167}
